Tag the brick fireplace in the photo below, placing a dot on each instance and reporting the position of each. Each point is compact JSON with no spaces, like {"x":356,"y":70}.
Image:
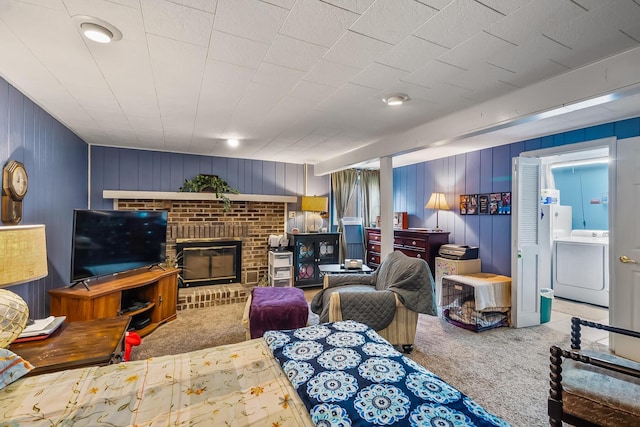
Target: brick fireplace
{"x":252,"y":222}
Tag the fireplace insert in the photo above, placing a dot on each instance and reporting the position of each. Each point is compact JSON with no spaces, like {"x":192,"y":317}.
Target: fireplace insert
{"x":209,"y":261}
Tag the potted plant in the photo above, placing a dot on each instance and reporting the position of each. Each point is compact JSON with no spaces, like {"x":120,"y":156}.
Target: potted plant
{"x":204,"y":183}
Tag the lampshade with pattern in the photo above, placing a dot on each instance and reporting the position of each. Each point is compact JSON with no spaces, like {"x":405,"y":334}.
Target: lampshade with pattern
{"x":23,"y":258}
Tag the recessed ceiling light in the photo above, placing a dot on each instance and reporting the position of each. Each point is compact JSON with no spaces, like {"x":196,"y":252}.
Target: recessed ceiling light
{"x":396,"y":99}
{"x":233,"y":142}
{"x":96,"y":32}
{"x":96,"y":29}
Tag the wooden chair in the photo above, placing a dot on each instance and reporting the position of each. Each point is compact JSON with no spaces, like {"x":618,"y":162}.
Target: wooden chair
{"x":593,"y":388}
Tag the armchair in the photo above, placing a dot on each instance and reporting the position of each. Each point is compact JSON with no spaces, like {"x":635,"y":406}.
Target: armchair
{"x":387,"y":300}
{"x":593,"y":388}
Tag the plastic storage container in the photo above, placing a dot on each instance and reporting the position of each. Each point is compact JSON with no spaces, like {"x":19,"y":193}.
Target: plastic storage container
{"x":546,"y":301}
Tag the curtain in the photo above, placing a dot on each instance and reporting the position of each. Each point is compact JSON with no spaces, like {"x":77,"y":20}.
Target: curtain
{"x":370,"y":188}
{"x":343,"y":184}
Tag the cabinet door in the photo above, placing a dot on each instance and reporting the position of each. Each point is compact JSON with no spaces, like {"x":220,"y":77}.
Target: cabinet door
{"x":304,"y":252}
{"x":328,"y":249}
{"x":166,"y":299}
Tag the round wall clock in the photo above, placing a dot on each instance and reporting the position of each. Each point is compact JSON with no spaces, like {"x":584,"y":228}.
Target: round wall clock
{"x":15,"y":184}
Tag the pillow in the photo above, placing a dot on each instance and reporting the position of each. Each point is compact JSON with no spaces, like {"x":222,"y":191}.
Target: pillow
{"x":12,"y":367}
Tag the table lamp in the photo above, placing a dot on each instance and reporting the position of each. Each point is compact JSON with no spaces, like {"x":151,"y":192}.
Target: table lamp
{"x":315,"y":205}
{"x":23,"y":258}
{"x":439,"y":203}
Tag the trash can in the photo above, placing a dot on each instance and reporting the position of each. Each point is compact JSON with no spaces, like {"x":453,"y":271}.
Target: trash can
{"x":546,"y":300}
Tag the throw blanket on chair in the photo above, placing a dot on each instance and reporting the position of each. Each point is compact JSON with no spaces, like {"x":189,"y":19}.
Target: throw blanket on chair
{"x":408,"y":278}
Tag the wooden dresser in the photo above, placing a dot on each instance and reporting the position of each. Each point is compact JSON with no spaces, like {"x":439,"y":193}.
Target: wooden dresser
{"x":413,"y":243}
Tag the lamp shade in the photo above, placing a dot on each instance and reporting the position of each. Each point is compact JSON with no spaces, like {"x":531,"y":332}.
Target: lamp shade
{"x":23,"y":254}
{"x":23,"y":257}
{"x":314,"y":203}
{"x":437,"y":201}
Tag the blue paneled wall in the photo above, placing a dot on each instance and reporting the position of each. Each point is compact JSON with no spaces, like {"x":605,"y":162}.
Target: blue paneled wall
{"x":139,"y":170}
{"x":483,"y":171}
{"x":56,"y":162}
{"x":584,"y":187}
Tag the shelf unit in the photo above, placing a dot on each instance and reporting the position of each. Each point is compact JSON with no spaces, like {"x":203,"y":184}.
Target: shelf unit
{"x":280,"y":269}
{"x":156,"y":288}
{"x":309,"y":251}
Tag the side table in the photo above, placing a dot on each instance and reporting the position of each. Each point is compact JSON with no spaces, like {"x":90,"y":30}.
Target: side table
{"x":339,"y":269}
{"x":76,"y":345}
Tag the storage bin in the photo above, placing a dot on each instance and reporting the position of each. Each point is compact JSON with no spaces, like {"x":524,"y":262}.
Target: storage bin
{"x":280,"y":259}
{"x":281,"y":283}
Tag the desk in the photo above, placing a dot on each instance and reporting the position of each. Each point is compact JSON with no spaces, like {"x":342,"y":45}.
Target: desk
{"x":339,"y":269}
{"x":76,"y":344}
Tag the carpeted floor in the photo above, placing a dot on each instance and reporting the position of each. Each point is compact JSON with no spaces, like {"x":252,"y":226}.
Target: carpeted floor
{"x":506,"y":370}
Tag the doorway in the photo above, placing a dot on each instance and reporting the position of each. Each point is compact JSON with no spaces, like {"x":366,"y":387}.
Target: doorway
{"x":569,"y":256}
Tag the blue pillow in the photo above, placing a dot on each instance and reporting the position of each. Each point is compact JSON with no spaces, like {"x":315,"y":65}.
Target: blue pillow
{"x":12,"y":367}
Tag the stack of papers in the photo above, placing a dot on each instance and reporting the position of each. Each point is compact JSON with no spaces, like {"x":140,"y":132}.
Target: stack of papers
{"x":44,"y":326}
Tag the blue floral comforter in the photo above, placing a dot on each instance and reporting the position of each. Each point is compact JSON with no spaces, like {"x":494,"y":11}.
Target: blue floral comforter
{"x":348,"y":375}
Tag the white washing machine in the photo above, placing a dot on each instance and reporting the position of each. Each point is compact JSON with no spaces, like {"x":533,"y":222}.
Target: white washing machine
{"x":581,"y":267}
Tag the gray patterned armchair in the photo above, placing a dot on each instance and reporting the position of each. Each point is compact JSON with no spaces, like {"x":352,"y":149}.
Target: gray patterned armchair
{"x":593,"y":388}
{"x":387,"y":300}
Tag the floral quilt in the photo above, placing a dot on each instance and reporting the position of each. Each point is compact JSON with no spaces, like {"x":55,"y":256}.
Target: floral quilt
{"x":232,"y":385}
{"x":348,"y":375}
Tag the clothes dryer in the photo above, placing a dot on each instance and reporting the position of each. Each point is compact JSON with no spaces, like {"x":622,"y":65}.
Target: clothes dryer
{"x":581,"y":267}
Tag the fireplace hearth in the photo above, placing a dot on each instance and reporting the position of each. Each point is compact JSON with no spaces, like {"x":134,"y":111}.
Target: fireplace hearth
{"x":209,"y":261}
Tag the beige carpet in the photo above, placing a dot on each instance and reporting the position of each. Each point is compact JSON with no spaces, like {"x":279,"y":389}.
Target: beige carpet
{"x":506,"y":370}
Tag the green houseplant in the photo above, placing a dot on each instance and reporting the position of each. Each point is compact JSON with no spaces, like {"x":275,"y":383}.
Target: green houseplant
{"x":204,"y":183}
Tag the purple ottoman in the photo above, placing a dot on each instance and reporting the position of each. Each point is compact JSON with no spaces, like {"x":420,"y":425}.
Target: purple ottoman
{"x":277,"y":308}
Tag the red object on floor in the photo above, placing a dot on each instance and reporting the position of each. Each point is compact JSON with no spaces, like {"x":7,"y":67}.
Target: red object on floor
{"x":132,"y":339}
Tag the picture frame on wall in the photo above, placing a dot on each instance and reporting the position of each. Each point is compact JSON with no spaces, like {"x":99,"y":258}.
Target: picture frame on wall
{"x":464,"y":200}
{"x":494,"y":202}
{"x":483,"y":204}
{"x":472,"y":206}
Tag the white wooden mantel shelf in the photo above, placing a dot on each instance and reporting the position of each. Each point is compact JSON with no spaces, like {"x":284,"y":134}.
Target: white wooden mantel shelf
{"x":178,"y":195}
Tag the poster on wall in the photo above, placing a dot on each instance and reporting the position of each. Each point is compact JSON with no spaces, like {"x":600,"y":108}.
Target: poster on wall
{"x":464,"y":200}
{"x":483,"y":204}
{"x":486,"y":204}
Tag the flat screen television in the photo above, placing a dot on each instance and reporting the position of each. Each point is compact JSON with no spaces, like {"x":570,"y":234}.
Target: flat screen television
{"x":106,"y":242}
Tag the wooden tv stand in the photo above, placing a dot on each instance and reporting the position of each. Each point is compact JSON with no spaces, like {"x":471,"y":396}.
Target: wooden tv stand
{"x":156,"y":288}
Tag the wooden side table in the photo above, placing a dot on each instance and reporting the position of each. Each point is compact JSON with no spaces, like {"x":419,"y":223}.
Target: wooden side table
{"x":76,"y":345}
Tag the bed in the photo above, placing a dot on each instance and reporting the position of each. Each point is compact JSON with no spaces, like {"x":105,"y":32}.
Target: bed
{"x":340,"y":373}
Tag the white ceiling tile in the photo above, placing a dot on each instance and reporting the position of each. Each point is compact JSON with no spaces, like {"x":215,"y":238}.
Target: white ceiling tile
{"x":277,"y":76}
{"x":237,"y":50}
{"x":436,"y":4}
{"x":293,"y":53}
{"x":432,"y":73}
{"x":255,"y":20}
{"x":379,"y":76}
{"x":411,"y":53}
{"x":356,"y":50}
{"x":506,"y":7}
{"x":331,"y":73}
{"x":357,"y":6}
{"x":168,"y":19}
{"x":206,"y":5}
{"x":530,"y":61}
{"x":317,"y":22}
{"x":392,"y":20}
{"x":480,"y":48}
{"x":457,"y":22}
{"x":311,"y":91}
{"x":592,"y":34}
{"x":222,"y":87}
{"x":346,"y":98}
{"x":285,"y":4}
{"x":533,"y":19}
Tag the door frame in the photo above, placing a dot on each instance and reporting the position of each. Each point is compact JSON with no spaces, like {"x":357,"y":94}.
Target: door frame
{"x":610,"y":143}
